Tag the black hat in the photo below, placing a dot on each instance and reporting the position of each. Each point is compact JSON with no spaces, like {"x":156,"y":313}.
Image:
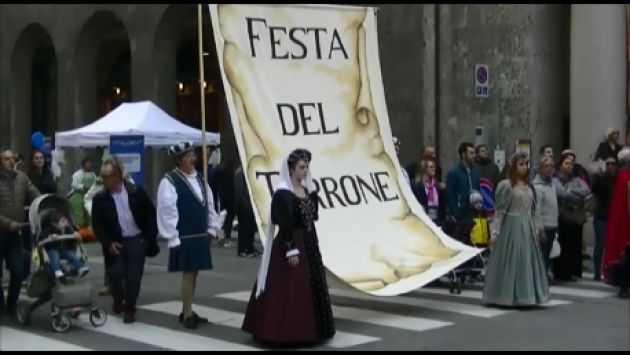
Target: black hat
{"x":181,"y":149}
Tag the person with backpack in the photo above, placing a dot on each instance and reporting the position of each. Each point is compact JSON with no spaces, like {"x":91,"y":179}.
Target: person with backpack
{"x":571,"y":191}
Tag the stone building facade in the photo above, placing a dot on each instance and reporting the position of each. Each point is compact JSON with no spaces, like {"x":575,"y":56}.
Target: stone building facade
{"x":63,"y":66}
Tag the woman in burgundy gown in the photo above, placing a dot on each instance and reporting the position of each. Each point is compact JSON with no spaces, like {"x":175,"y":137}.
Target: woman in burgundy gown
{"x":290,"y":303}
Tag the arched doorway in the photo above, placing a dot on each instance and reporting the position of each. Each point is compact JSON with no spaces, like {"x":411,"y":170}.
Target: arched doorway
{"x":114,"y":84}
{"x":188,"y":101}
{"x":33,"y":87}
{"x":177,"y":75}
{"x":103,"y":61}
{"x":102,"y":77}
{"x":177,"y":66}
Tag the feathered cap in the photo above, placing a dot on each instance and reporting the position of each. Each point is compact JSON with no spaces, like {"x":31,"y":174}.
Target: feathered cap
{"x":181,"y":149}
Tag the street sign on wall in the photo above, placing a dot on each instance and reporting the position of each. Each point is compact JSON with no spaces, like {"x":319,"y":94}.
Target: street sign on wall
{"x":482,"y":78}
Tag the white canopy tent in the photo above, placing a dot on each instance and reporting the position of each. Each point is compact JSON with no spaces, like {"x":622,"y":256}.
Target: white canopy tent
{"x":134,"y":118}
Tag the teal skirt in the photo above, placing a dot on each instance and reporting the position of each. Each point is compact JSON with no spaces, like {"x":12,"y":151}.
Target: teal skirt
{"x":515,"y":274}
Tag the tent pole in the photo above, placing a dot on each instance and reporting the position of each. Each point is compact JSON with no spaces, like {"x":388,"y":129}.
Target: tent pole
{"x":202,"y":91}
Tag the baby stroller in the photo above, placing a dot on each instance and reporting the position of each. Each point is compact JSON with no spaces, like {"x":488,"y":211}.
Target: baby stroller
{"x":471,"y":270}
{"x":69,"y":299}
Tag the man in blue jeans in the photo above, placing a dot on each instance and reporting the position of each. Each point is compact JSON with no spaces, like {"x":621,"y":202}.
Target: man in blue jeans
{"x":16,"y":190}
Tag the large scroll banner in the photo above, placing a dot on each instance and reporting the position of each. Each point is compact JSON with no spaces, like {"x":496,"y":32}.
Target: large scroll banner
{"x":309,"y":76}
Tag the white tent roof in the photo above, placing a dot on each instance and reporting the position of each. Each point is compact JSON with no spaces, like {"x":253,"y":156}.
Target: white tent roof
{"x":134,"y":118}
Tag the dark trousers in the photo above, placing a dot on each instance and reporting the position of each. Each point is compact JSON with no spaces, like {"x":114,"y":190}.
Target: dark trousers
{"x":27,"y":242}
{"x":569,"y":263}
{"x":246,"y":230}
{"x":125,"y":273}
{"x":599,"y":226}
{"x":105,"y":274}
{"x":11,"y":252}
{"x":546,"y":245}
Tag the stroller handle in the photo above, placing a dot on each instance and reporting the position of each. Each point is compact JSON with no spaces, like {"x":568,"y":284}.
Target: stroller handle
{"x":59,"y":238}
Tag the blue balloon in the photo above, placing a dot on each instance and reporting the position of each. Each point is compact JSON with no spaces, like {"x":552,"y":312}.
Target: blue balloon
{"x":37,"y":140}
{"x":45,"y":148}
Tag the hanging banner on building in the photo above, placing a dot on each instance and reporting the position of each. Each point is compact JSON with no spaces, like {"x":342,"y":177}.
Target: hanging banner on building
{"x":309,"y":76}
{"x":130,"y":151}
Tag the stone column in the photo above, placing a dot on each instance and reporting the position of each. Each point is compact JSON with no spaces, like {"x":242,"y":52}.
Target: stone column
{"x":598,"y":75}
{"x":429,"y":130}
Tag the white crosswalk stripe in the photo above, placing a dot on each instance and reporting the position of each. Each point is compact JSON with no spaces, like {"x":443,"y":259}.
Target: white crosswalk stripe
{"x":235,"y":320}
{"x":577,"y":292}
{"x":160,"y":336}
{"x":555,"y":290}
{"x":418,"y":324}
{"x":12,"y":339}
{"x":348,"y":305}
{"x":444,"y":306}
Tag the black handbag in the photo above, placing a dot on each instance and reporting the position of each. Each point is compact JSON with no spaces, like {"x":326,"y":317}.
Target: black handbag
{"x":574,"y":213}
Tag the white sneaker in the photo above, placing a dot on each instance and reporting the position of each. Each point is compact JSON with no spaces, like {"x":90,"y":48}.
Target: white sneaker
{"x":83,"y":271}
{"x":59,"y":274}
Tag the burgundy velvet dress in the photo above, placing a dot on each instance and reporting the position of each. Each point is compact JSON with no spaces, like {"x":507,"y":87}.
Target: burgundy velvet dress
{"x":295,"y":306}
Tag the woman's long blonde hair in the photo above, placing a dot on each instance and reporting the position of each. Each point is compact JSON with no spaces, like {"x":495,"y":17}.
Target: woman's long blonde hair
{"x":424,"y":165}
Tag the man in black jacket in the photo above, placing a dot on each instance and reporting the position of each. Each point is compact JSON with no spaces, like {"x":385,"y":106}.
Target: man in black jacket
{"x":124,"y":220}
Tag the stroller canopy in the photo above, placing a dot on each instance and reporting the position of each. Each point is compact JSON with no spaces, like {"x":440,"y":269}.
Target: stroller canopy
{"x":44,"y":204}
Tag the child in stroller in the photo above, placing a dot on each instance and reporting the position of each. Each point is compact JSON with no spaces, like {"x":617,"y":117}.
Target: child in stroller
{"x":474,"y":233}
{"x":55,"y":225}
{"x":479,"y":236}
{"x":70,"y":297}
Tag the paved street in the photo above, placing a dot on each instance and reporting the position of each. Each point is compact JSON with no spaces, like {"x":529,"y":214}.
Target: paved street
{"x":583,"y":316}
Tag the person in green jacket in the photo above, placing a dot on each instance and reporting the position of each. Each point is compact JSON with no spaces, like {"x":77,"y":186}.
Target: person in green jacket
{"x":82,"y":180}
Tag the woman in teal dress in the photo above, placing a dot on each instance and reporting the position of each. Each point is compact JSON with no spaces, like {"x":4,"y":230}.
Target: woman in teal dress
{"x":515,"y":274}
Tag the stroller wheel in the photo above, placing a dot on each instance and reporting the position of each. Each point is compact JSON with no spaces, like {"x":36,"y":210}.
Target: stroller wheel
{"x":98,"y":317}
{"x":60,"y":323}
{"x":23,"y":313}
